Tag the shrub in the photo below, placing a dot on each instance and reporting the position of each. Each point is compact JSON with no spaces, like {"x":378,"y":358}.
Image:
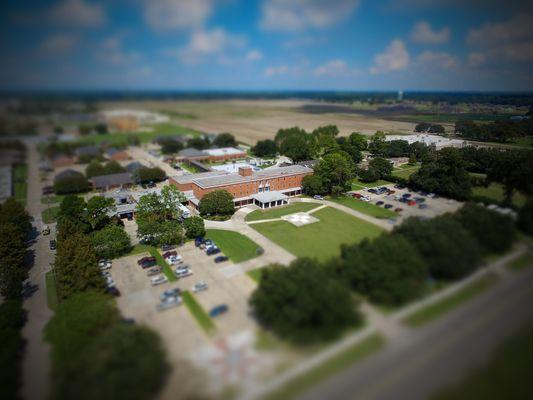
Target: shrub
{"x":110,"y":242}
{"x":194,"y":227}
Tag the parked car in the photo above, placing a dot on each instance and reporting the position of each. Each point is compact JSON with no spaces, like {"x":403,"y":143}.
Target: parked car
{"x":212,"y":250}
{"x":422,"y":206}
{"x":154,"y":271}
{"x":145,"y":259}
{"x":173,"y":260}
{"x":182,"y":273}
{"x":48,"y":190}
{"x":406,"y":195}
{"x":170,"y":253}
{"x":158,"y":280}
{"x":411,"y":203}
{"x":220,"y":259}
{"x":199,"y":287}
{"x":357,"y":195}
{"x":420,"y":200}
{"x":167,"y":247}
{"x":105,"y":264}
{"x":387,"y":206}
{"x":390,"y":191}
{"x":379,"y":203}
{"x":169,"y":293}
{"x":148,"y":264}
{"x":151,"y":184}
{"x":109,"y":281}
{"x":218,"y":310}
{"x":198,"y":241}
{"x":398,"y":209}
{"x":169,"y":302}
{"x":318,"y":197}
{"x":372,"y":190}
{"x":113,"y":291}
{"x":45,"y":230}
{"x":431,"y":195}
{"x":53,"y":244}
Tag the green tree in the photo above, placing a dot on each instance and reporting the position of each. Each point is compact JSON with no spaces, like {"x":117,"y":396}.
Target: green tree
{"x":170,"y":145}
{"x":265,"y":148}
{"x":85,"y":129}
{"x":495,"y":232}
{"x":101,"y":128}
{"x":296,"y":144}
{"x":217,"y":203}
{"x":358,"y":140}
{"x":194,"y":227}
{"x":13,"y":271}
{"x":12,"y":319}
{"x":75,"y":267}
{"x":525,"y":217}
{"x":74,"y":183}
{"x":146,"y":175}
{"x":97,"y":210}
{"x":351,"y":149}
{"x":169,"y":232}
{"x":412,"y":159}
{"x":95,"y":168}
{"x":335,"y":169}
{"x":377,"y":144}
{"x":72,"y":209}
{"x":171,"y":197}
{"x":382,"y":166}
{"x":110,"y":242}
{"x":449,"y":250}
{"x":113,"y":167}
{"x":388,"y":269}
{"x":304,"y":302}
{"x":368,"y":175}
{"x":13,"y":212}
{"x":312,"y":185}
{"x":225,"y":140}
{"x":199,"y":143}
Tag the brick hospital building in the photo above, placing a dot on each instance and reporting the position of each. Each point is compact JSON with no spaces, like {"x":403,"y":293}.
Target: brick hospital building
{"x":265,"y":188}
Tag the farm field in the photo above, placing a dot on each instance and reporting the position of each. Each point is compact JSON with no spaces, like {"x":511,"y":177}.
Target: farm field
{"x":252,"y":120}
{"x":321,"y":239}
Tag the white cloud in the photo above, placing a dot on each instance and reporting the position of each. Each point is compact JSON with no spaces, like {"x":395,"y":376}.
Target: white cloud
{"x":334,"y":68}
{"x":254,"y":55}
{"x":57,"y":44}
{"x":77,"y":13}
{"x":491,"y":33}
{"x":431,"y":60}
{"x":298,"y":15}
{"x":111,"y":51}
{"x":423,"y":33}
{"x":177,"y":14}
{"x":280,"y":70}
{"x":394,"y":58}
{"x":208,"y":43}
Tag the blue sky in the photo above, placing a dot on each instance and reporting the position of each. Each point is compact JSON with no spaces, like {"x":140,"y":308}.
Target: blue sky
{"x":267,"y":44}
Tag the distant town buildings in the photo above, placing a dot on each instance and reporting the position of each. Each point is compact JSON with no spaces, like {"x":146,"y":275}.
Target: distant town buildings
{"x":439,"y":142}
{"x":211,"y":155}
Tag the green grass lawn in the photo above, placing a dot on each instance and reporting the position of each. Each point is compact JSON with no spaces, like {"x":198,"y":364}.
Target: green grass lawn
{"x":51,"y":291}
{"x":163,"y":264}
{"x":234,"y":245}
{"x":138,"y":249}
{"x":519,"y":263}
{"x":358,"y":185}
{"x":435,"y":310}
{"x":364,"y":207}
{"x":494,"y":194}
{"x":203,"y":319}
{"x":256,"y":274}
{"x":20,"y":191}
{"x":505,"y":375}
{"x":405,"y":171}
{"x":320,"y":239}
{"x":53,"y":199}
{"x":277,"y":212}
{"x":50,"y":214}
{"x":334,"y":365}
{"x":118,"y":139}
{"x":20,"y":182}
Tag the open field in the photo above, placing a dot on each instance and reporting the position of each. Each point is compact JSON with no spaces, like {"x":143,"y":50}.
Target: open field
{"x":234,"y":245}
{"x":358,"y":185}
{"x":494,"y":194}
{"x":277,"y":212}
{"x":405,"y":171}
{"x":252,"y":120}
{"x":321,"y":239}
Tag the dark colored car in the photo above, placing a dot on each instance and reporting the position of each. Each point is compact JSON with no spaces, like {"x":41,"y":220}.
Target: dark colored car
{"x":198,"y":241}
{"x":388,"y":206}
{"x":169,"y":254}
{"x":212,"y":250}
{"x":218,"y":310}
{"x":379,"y":203}
{"x":48,"y":190}
{"x":145,"y":260}
{"x":406,"y":195}
{"x":423,"y":206}
{"x":53,"y":244}
{"x":167,"y":247}
{"x":113,"y":291}
{"x":151,"y":184}
{"x":220,"y":259}
{"x":398,"y":209}
{"x":373,"y":191}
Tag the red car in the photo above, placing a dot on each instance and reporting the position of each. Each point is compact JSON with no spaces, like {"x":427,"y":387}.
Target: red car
{"x":145,"y":260}
{"x":169,"y":254}
{"x":411,"y":203}
{"x":357,"y":195}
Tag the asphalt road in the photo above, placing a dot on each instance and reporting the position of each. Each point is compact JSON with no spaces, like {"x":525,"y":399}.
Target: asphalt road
{"x":426,"y":359}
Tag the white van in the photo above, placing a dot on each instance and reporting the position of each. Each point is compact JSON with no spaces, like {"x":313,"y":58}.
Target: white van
{"x":45,"y":230}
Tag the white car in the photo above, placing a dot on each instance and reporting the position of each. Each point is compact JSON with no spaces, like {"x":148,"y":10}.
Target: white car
{"x":173,"y":260}
{"x":318,"y":197}
{"x":199,"y":287}
{"x":182,"y":273}
{"x":104,"y":264}
{"x":169,"y":302}
{"x":110,"y":282}
{"x":158,"y":280}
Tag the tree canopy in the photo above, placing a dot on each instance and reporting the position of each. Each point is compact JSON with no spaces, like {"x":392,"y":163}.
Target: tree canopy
{"x":335,"y":171}
{"x":225,"y":140}
{"x":265,"y":148}
{"x":217,"y":203}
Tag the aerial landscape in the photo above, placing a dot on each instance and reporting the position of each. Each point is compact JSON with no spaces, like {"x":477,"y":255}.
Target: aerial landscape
{"x":266,"y":199}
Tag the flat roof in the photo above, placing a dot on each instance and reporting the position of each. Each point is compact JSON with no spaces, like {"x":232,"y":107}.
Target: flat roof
{"x":224,"y":151}
{"x":188,"y":178}
{"x":267,"y":197}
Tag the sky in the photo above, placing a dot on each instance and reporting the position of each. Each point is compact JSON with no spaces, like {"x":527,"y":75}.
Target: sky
{"x":449,"y":45}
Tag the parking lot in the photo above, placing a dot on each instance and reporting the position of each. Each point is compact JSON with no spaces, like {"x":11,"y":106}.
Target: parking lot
{"x":178,"y":327}
{"x":433,"y":206}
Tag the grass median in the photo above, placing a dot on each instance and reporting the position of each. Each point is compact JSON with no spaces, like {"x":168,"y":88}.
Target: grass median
{"x":203,"y":319}
{"x":364,"y":207}
{"x":328,"y":368}
{"x":435,"y":310}
{"x":234,"y":245}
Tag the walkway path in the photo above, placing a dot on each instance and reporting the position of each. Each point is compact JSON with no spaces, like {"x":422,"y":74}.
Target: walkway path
{"x":36,"y":367}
